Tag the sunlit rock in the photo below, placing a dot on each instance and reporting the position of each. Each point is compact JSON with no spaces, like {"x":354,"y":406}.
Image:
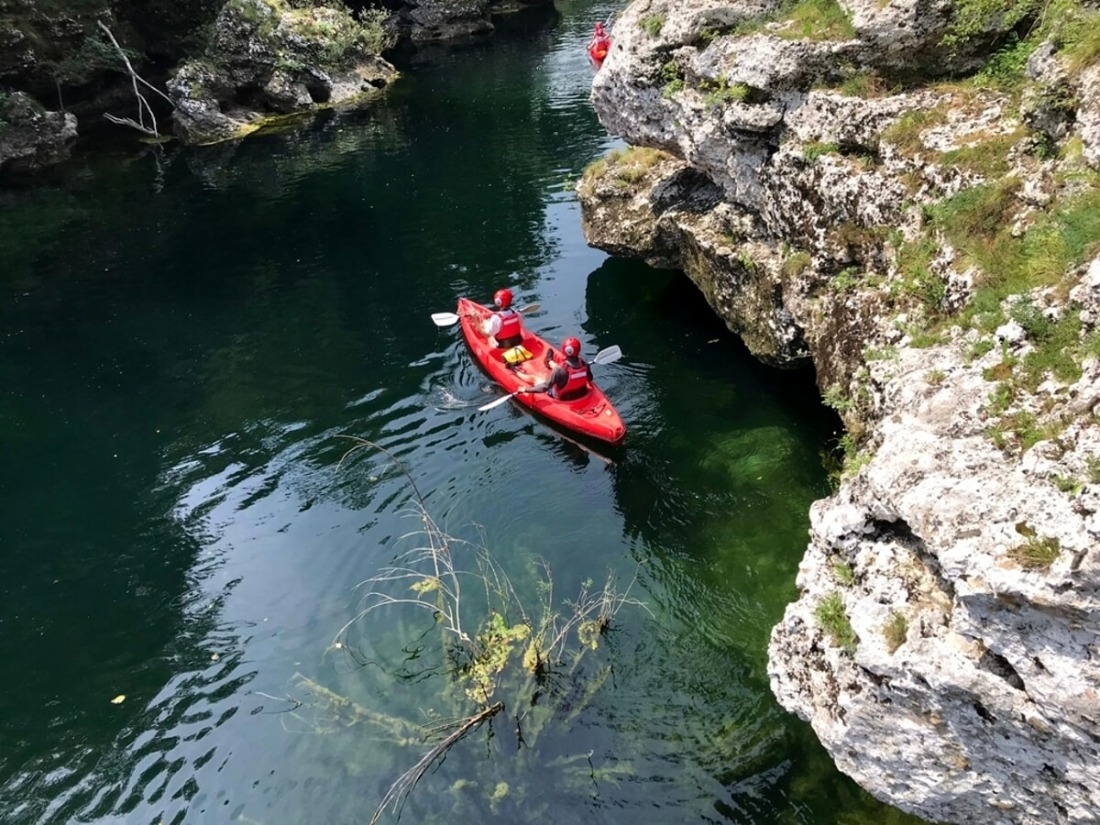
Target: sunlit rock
{"x":268,"y":58}
{"x":956,"y":674}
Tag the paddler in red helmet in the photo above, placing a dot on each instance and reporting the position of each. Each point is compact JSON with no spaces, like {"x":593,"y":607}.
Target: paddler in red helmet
{"x":570,"y":376}
{"x":504,"y":327}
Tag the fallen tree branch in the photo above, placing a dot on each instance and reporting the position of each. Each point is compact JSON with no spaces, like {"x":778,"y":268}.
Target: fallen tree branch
{"x":401,"y":789}
{"x":143,"y":103}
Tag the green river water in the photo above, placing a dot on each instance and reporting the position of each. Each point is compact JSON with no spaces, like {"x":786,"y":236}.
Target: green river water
{"x":184,"y":337}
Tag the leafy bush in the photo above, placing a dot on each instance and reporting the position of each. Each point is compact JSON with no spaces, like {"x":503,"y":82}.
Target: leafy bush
{"x":652,"y":24}
{"x":895,"y":630}
{"x":818,"y":20}
{"x":833,"y":619}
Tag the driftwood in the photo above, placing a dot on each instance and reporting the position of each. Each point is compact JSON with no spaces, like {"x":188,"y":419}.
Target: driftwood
{"x":143,"y":104}
{"x":400,"y":789}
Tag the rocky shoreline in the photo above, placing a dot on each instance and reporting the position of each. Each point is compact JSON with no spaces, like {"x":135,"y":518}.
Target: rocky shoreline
{"x":202,"y":71}
{"x":906,"y":195}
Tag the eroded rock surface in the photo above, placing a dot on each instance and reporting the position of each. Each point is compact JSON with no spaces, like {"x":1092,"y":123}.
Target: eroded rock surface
{"x":270,"y":58}
{"x":825,"y":194}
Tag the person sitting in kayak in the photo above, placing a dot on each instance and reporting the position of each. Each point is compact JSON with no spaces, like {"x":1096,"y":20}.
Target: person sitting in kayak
{"x":503,"y":328}
{"x":569,"y":378}
{"x":600,"y":43}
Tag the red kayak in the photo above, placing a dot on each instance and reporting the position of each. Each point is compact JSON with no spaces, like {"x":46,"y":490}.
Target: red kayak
{"x":590,"y":415}
{"x":598,"y":48}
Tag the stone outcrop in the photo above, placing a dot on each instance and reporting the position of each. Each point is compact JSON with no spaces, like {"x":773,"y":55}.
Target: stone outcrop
{"x":268,"y":58}
{"x":827,"y":197}
{"x":30,"y":136}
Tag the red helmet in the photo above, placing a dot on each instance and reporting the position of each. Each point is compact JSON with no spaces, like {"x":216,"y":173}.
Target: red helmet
{"x":503,"y":298}
{"x":571,"y":347}
{"x":599,"y":27}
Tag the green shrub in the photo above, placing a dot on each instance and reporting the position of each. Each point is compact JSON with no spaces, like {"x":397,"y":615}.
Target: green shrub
{"x":652,"y":24}
{"x":842,"y":571}
{"x":796,"y":264}
{"x":1037,"y":553}
{"x":833,"y":619}
{"x":818,"y":20}
{"x":814,"y":149}
{"x":722,"y":91}
{"x":973,"y":18}
{"x":895,"y":630}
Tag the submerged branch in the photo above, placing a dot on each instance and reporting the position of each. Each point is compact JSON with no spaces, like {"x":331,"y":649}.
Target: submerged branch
{"x":400,"y":790}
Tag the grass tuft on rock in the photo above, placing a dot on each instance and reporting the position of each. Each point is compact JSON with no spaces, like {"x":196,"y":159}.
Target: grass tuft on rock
{"x":832,"y":617}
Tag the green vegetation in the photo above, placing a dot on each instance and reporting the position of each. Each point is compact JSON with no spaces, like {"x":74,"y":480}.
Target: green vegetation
{"x":1068,"y":484}
{"x":817,"y":20}
{"x":1037,"y":552}
{"x":865,"y":84}
{"x":846,"y":280}
{"x":721,"y":91}
{"x":842,"y":572}
{"x":796,"y":264}
{"x":833,"y":619}
{"x":672,"y":77}
{"x":814,"y":149}
{"x":836,"y":398}
{"x":935,"y":377}
{"x":535,"y":659}
{"x":623,"y":167}
{"x":895,"y":630}
{"x":652,"y":24}
{"x":974,"y":18}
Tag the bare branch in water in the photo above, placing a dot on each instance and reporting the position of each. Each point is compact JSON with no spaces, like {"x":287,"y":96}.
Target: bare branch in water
{"x":400,"y":790}
{"x":143,"y":103}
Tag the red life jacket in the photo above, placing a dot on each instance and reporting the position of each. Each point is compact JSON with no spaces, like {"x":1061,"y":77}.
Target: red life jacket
{"x":577,"y":380}
{"x":510,"y":325}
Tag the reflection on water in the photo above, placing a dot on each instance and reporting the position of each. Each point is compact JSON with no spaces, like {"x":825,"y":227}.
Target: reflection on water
{"x":186,"y":339}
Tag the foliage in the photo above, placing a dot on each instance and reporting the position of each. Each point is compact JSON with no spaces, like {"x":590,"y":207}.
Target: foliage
{"x":904,"y":133}
{"x":836,"y":398}
{"x":815,"y":149}
{"x":95,"y":55}
{"x":722,"y":91}
{"x":796,"y":264}
{"x":817,"y":20}
{"x":1037,"y":552}
{"x":895,"y":630}
{"x":975,"y":18}
{"x":673,"y":78}
{"x":653,"y":23}
{"x":842,"y":571}
{"x":988,"y":158}
{"x":496,"y":651}
{"x":866,"y":84}
{"x":832,"y":617}
{"x":624,"y":167}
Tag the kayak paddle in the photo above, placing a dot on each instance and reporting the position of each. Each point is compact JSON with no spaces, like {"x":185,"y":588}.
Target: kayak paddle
{"x":449,"y":319}
{"x":605,"y":356}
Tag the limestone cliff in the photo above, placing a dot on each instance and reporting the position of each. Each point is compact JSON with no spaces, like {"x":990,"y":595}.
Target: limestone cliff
{"x":906,"y":194}
{"x":228,"y":66}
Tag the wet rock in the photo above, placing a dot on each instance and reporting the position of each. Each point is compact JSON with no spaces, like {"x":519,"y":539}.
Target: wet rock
{"x":268,"y":59}
{"x":30,"y":136}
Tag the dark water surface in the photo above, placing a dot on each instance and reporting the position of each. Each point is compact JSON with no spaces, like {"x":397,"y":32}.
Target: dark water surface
{"x":185,"y":336}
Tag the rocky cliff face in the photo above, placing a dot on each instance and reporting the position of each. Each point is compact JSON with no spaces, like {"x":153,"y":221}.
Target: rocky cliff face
{"x":228,"y":65}
{"x":823,"y":174}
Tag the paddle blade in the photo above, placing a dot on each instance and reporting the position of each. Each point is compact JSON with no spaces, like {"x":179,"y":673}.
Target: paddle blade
{"x":530,"y":308}
{"x":444,"y":319}
{"x":608,"y":355}
{"x":496,"y":403}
